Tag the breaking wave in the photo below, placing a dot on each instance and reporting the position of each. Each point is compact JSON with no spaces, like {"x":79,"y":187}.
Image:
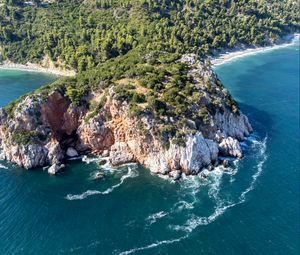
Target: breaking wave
{"x":130,"y":174}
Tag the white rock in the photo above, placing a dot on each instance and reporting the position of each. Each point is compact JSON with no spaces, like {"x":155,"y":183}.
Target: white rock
{"x":230,"y":147}
{"x":71,"y":152}
{"x":55,"y":169}
{"x":105,"y":153}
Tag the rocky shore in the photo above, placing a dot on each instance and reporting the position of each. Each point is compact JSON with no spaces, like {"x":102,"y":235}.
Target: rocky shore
{"x":48,"y":131}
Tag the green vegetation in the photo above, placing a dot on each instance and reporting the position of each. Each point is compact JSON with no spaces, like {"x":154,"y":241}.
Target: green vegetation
{"x":82,"y":34}
{"x":108,"y":41}
{"x":24,"y":137}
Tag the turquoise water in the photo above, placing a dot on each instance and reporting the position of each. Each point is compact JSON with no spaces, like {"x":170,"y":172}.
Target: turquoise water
{"x":251,"y":209}
{"x":14,"y":83}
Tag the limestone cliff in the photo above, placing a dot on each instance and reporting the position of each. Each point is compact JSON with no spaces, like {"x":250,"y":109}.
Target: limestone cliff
{"x":47,"y":130}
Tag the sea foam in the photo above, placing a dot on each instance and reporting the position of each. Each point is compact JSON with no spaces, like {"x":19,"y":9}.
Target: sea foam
{"x":3,"y":166}
{"x":130,"y":174}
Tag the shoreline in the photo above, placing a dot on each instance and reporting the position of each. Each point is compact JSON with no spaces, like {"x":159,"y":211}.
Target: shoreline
{"x":29,"y":67}
{"x":220,"y":59}
{"x":238,"y":53}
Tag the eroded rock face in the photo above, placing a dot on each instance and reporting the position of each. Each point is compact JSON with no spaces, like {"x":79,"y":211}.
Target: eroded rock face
{"x":95,"y":135}
{"x":63,"y":130}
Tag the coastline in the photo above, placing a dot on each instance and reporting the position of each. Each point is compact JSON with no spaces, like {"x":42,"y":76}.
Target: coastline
{"x":29,"y":67}
{"x":237,"y":53}
{"x":220,"y":58}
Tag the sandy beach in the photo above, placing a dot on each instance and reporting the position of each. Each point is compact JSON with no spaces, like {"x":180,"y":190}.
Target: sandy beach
{"x":239,"y":53}
{"x":7,"y":65}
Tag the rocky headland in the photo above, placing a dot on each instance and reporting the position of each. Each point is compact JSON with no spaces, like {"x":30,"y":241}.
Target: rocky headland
{"x":47,"y":129}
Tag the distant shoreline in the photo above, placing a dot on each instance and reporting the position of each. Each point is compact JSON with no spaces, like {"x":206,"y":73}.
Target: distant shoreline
{"x":237,"y":53}
{"x":221,"y":58}
{"x":7,"y":65}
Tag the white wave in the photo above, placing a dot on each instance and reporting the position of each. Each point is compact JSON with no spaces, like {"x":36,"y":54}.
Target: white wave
{"x":83,"y":195}
{"x":108,"y":167}
{"x":3,"y":166}
{"x":263,"y":148}
{"x":130,"y":174}
{"x":154,"y":217}
{"x":153,"y":245}
{"x":183,"y":205}
{"x":216,"y":179}
{"x":88,"y":160}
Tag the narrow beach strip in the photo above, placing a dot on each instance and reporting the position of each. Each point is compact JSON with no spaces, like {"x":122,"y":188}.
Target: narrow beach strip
{"x":236,"y":54}
{"x":36,"y":68}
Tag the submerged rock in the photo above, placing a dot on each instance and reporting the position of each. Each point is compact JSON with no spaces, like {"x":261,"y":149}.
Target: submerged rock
{"x":98,"y":175}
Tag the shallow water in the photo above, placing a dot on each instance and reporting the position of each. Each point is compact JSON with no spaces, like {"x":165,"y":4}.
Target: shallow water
{"x":251,"y":209}
{"x":14,"y":83}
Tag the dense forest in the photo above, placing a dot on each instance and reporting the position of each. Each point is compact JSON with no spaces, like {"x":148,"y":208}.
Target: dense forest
{"x":81,"y":34}
{"x":135,"y":43}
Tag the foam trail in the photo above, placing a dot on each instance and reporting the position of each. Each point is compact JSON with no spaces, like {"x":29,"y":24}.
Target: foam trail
{"x":259,"y":168}
{"x":130,"y":174}
{"x":3,"y":166}
{"x":88,"y":160}
{"x":153,"y":217}
{"x":153,"y":245}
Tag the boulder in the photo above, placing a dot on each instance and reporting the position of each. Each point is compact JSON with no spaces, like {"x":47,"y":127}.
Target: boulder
{"x":55,"y":169}
{"x":71,"y":152}
{"x":230,"y":147}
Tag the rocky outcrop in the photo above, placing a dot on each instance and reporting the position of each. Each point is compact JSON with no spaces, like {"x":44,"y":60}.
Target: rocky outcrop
{"x":55,"y":169}
{"x":55,"y":130}
{"x":230,"y":147}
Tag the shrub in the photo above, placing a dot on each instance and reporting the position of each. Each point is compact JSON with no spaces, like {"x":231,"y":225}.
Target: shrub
{"x":23,"y":137}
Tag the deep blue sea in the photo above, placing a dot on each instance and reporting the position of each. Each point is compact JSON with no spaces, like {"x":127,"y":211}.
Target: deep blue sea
{"x":253,"y":208}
